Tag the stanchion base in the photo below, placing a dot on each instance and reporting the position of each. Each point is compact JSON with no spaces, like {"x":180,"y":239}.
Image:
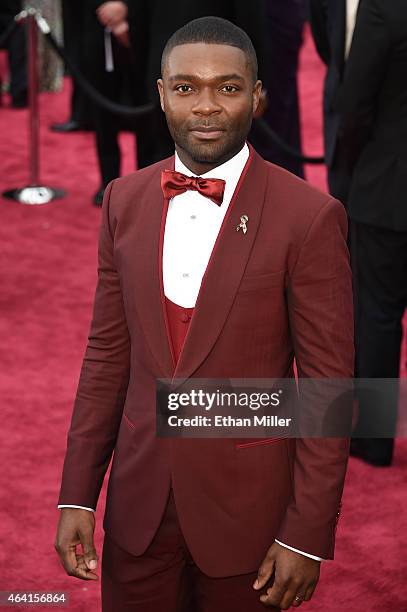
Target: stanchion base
{"x":34,"y":195}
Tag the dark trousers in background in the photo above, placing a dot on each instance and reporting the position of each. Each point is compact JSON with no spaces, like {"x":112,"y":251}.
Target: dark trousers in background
{"x":115,"y":86}
{"x":339,"y":177}
{"x":380,"y":279}
{"x":16,"y":47}
{"x":166,"y":578}
{"x":150,"y":129}
{"x":285,"y":23}
{"x":73,"y":12}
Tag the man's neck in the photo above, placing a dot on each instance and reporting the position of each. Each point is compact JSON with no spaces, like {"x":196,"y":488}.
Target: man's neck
{"x":200,"y":168}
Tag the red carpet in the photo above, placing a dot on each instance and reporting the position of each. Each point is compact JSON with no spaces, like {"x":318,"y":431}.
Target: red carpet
{"x":48,"y":272}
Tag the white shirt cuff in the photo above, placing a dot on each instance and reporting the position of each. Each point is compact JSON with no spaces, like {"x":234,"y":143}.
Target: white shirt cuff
{"x":80,"y":507}
{"x":300,"y":551}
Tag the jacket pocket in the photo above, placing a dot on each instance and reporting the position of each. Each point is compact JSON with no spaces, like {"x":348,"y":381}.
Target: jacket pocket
{"x":258,"y":442}
{"x":127,"y":421}
{"x":265,"y":281}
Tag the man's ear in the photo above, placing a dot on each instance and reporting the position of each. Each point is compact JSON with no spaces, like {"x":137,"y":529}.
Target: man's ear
{"x":256,"y":95}
{"x":160,"y":86}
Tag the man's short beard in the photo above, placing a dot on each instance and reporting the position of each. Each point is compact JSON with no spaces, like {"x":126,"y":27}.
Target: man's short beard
{"x":202,"y":154}
{"x":214,"y":154}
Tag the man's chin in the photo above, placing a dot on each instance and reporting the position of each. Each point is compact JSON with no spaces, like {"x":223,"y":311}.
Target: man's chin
{"x":209,"y":153}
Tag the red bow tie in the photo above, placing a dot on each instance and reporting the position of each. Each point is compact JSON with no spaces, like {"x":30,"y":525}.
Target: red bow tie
{"x":174,"y":183}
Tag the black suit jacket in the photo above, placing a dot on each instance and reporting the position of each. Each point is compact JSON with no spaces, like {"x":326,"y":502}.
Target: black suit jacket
{"x":328,"y":25}
{"x":373,"y":105}
{"x":152,"y":22}
{"x":10,"y":7}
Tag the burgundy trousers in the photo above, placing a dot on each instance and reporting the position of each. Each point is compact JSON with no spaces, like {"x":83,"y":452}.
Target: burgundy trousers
{"x":166,"y":579}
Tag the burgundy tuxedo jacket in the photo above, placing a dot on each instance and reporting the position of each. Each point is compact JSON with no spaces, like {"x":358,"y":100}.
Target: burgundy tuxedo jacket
{"x":280,"y":291}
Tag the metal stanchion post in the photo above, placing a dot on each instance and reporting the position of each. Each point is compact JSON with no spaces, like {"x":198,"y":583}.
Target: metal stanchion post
{"x":33,"y":87}
{"x":35,"y":192}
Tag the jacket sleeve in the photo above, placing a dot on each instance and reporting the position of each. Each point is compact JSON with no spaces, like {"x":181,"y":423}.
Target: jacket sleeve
{"x":321,"y":320}
{"x":318,"y":22}
{"x":103,"y":381}
{"x":364,"y":73}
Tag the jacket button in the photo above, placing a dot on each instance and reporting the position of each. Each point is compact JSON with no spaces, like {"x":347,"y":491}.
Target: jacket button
{"x":185,"y":318}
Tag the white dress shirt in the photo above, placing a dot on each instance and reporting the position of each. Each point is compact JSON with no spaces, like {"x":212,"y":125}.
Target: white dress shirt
{"x":192,"y":226}
{"x":351,"y":13}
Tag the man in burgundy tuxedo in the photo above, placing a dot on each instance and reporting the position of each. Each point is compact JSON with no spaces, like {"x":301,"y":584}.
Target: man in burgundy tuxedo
{"x":207,"y":525}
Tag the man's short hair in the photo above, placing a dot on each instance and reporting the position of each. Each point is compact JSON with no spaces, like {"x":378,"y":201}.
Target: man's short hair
{"x":215,"y":31}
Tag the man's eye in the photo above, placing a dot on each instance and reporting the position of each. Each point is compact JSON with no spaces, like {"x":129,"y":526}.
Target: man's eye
{"x":229,"y":88}
{"x":184,"y":88}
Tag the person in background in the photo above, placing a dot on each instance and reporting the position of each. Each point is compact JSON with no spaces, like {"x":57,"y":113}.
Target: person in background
{"x":332,"y":24}
{"x":17,"y":53}
{"x":108,"y":64}
{"x":373,"y":137}
{"x":284,"y":24}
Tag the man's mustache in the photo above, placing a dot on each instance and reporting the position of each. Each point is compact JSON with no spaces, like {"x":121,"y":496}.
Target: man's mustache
{"x":207,"y":126}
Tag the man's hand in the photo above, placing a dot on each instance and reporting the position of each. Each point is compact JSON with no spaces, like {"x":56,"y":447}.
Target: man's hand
{"x":110,"y":14}
{"x":121,"y":33}
{"x":295,"y":577}
{"x":75,"y":527}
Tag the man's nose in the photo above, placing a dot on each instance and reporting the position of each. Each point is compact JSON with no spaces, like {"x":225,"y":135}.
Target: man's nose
{"x":206,"y":103}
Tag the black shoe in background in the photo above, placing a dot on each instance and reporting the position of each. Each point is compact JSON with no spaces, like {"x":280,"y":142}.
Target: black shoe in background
{"x":98,"y":198}
{"x":70,"y":126}
{"x":20,"y":100}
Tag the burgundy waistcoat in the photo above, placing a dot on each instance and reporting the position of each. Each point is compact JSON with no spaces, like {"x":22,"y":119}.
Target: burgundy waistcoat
{"x":178,"y":322}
